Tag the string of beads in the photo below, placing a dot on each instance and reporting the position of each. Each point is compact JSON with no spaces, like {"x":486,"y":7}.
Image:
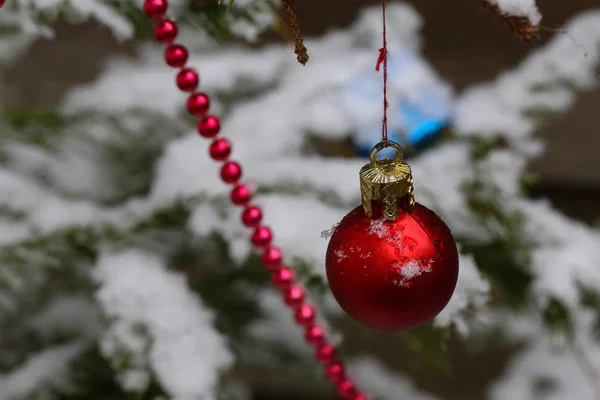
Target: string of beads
{"x":282,"y":277}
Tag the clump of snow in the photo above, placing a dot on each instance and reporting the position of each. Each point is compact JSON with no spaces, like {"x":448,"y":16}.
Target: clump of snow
{"x":377,"y":380}
{"x":410,"y":270}
{"x":292,"y":219}
{"x":565,"y":253}
{"x":73,"y":315}
{"x":46,"y":368}
{"x":326,"y":234}
{"x":378,"y":227}
{"x":278,"y":325}
{"x":160,"y":324}
{"x":471,"y":290}
{"x":497,"y":107}
{"x":569,"y":369}
{"x":519,"y":8}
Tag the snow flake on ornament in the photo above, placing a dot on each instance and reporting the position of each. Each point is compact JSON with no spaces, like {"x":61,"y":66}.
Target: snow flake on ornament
{"x":378,"y":227}
{"x":410,"y":270}
{"x":326,"y":234}
{"x":340,"y":255}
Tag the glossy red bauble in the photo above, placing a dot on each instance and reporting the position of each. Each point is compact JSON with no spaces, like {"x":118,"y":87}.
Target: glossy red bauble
{"x":392,"y":275}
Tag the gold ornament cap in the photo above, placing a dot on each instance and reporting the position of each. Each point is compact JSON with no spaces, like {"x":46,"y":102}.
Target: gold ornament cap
{"x":386,"y":180}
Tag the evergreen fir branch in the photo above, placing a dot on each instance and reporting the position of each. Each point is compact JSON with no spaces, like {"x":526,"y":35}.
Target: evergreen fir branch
{"x":129,"y":143}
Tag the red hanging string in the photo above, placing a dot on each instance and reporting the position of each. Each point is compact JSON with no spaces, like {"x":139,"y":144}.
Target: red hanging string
{"x":383,"y":59}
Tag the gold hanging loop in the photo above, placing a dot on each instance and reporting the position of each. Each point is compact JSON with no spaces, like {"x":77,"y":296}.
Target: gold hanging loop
{"x":386,"y":180}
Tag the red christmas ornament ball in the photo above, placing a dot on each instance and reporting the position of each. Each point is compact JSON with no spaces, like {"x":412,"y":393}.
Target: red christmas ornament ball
{"x":392,"y":275}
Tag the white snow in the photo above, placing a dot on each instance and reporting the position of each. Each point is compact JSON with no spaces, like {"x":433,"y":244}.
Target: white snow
{"x":182,"y":348}
{"x":471,"y":289}
{"x":543,"y":358}
{"x":179,"y":344}
{"x":378,"y":228}
{"x":519,"y":8}
{"x":497,"y":107}
{"x":48,"y":367}
{"x":375,"y":379}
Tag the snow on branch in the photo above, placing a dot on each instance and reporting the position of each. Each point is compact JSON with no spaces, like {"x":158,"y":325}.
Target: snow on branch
{"x":521,"y":16}
{"x":160,"y":325}
{"x":547,"y":80}
{"x":47,"y":369}
{"x":379,"y":381}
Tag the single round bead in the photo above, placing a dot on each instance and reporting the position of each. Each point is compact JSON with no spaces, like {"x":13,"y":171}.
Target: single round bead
{"x":345,"y":389}
{"x":251,"y":216}
{"x":187,"y":80}
{"x":153,"y":8}
{"x":220,"y":149}
{"x":240,"y":195}
{"x":294,"y":296}
{"x":325,"y":353}
{"x":262,"y":237}
{"x":334,"y":372}
{"x":305,"y":315}
{"x":314,"y":335}
{"x":272,"y":258}
{"x":231,"y":172}
{"x":198,"y":105}
{"x":209,"y":126}
{"x":165,"y":31}
{"x":176,"y":55}
{"x":283,"y":278}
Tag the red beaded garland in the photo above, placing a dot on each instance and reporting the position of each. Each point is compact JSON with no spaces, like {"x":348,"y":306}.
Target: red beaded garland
{"x":272,"y":258}
{"x":155,"y":8}
{"x":231,"y":172}
{"x":334,"y":372}
{"x":325,"y":353}
{"x":314,"y":334}
{"x":176,"y":55}
{"x":209,"y":126}
{"x":261,"y":237}
{"x":165,"y":31}
{"x":187,"y":80}
{"x":305,"y":314}
{"x":283,"y":278}
{"x":198,"y":105}
{"x":240,"y":195}
{"x":345,"y":389}
{"x":220,"y":149}
{"x":251,"y":216}
{"x":294,"y":296}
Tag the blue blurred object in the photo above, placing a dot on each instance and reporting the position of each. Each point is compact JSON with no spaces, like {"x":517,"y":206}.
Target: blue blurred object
{"x":420,"y":104}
